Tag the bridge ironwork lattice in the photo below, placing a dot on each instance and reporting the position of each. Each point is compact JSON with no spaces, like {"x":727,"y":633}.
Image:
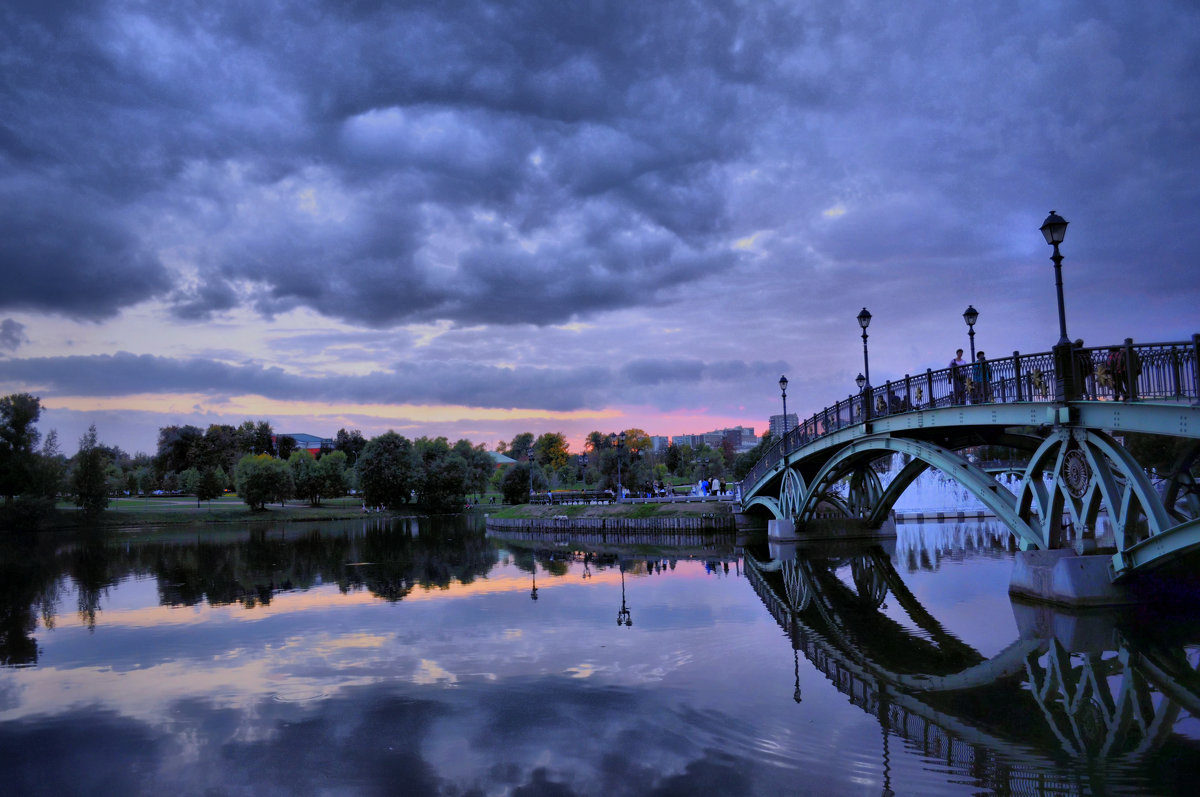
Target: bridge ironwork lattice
{"x":1162,"y":371}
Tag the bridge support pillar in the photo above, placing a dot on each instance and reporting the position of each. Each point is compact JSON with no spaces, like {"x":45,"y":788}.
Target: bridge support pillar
{"x":781,"y":529}
{"x":1060,"y":576}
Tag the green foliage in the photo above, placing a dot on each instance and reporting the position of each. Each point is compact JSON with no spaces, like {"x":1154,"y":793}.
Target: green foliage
{"x":514,"y":485}
{"x":551,"y":450}
{"x":18,"y":441}
{"x":88,"y":478}
{"x":519,"y":447}
{"x":307,"y":482}
{"x":261,"y":478}
{"x":1163,"y":453}
{"x":211,"y":485}
{"x":189,"y":481}
{"x":335,"y":479}
{"x":350,"y":443}
{"x":388,"y":470}
{"x":285,"y":446}
{"x":744,"y":462}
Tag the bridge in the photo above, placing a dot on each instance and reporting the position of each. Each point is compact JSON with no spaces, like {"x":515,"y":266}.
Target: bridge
{"x":1062,"y":411}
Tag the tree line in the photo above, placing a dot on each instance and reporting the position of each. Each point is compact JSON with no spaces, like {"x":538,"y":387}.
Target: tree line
{"x":389,"y":470}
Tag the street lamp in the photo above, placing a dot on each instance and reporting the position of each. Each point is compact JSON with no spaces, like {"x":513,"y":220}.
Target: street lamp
{"x":783,"y":383}
{"x":971,"y":315}
{"x":861,"y":381}
{"x":864,"y":321}
{"x":529,"y":455}
{"x":619,"y":442}
{"x":1054,"y":228}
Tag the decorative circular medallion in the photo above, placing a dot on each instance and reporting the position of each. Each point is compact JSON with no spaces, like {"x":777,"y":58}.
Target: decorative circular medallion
{"x":1077,"y":473}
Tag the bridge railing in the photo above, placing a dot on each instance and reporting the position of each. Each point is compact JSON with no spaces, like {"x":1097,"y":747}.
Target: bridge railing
{"x":1159,"y":371}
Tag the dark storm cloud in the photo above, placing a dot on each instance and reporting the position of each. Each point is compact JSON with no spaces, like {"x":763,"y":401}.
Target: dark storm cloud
{"x":12,"y":334}
{"x":450,"y":382}
{"x":595,"y":137}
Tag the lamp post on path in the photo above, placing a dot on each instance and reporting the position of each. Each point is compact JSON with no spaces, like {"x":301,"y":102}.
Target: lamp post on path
{"x":971,"y":315}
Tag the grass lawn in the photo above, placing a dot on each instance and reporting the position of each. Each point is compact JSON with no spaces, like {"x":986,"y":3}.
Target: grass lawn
{"x":181,"y":509}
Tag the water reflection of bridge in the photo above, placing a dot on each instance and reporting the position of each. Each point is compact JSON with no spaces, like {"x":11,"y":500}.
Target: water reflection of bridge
{"x":1072,"y":706}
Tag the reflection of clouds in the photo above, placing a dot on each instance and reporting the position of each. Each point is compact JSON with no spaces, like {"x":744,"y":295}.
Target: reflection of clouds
{"x":429,"y":672}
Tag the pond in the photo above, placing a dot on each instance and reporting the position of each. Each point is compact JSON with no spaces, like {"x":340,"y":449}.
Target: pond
{"x":423,"y":656}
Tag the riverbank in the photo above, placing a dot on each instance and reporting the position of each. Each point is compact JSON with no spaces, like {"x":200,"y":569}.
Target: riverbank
{"x":131,"y":513}
{"x":628,"y":511}
{"x":142,"y":512}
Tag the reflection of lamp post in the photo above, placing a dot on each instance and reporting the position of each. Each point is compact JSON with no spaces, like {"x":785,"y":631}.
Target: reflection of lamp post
{"x":533,"y":592}
{"x":971,"y":315}
{"x":783,"y":383}
{"x":623,"y":617}
{"x":796,"y":666}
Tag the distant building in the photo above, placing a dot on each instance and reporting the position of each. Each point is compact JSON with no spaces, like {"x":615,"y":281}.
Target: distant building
{"x":501,"y":460}
{"x":793,"y":420}
{"x":659,"y":442}
{"x":741,"y":438}
{"x":308,"y":442}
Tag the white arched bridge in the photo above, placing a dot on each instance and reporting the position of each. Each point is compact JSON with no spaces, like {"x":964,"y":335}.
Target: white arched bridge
{"x":1062,"y":412}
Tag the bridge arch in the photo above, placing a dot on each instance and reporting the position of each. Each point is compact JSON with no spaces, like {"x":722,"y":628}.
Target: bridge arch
{"x":855,"y":458}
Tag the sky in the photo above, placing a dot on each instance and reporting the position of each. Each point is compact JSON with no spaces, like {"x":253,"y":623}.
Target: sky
{"x":476,"y":219}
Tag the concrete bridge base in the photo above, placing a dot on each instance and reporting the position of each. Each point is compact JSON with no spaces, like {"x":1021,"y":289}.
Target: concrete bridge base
{"x":1063,"y":577}
{"x":840,"y":528}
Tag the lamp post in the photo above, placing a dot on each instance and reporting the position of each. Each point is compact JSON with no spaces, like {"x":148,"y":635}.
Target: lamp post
{"x":783,"y":383}
{"x":618,"y":441}
{"x":864,"y":321}
{"x":529,"y":456}
{"x":971,"y":315}
{"x":1054,"y":228}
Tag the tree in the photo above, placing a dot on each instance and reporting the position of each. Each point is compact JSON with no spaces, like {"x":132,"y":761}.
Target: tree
{"x":88,"y":480}
{"x":514,"y":485}
{"x":520,"y":444}
{"x":551,"y":450}
{"x":210,"y":486}
{"x":285,"y":446}
{"x":261,"y":479}
{"x":18,"y":442}
{"x":175,"y":444}
{"x":442,"y":484}
{"x":306,"y":478}
{"x":189,"y":481}
{"x":351,"y":443}
{"x":596,"y":441}
{"x":747,"y":460}
{"x":387,"y":470}
{"x":480,"y":466}
{"x":674,"y":459}
{"x":335,"y":480}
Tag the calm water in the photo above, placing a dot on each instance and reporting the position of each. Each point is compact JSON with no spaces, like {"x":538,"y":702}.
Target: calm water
{"x":411,"y":658}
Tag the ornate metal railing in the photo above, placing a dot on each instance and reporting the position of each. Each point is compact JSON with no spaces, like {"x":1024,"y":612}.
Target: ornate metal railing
{"x":1127,"y":372}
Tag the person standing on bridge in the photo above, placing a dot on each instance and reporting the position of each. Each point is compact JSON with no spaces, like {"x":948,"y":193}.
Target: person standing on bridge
{"x":958,"y":376}
{"x":981,"y":375}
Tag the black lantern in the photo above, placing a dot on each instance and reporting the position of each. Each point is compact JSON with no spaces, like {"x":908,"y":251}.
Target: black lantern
{"x":971,"y":315}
